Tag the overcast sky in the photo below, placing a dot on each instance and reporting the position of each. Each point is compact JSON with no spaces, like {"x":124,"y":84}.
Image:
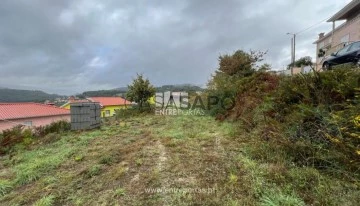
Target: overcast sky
{"x":70,"y":46}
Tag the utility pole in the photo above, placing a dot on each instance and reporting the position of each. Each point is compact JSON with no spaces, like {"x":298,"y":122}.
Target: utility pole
{"x":293,"y":49}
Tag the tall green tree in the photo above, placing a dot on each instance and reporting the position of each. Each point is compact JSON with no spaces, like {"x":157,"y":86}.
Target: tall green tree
{"x":240,"y":63}
{"x":140,"y":91}
{"x":303,"y":61}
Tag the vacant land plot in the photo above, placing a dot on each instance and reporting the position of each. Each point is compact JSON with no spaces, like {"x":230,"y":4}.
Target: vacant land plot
{"x":160,"y":160}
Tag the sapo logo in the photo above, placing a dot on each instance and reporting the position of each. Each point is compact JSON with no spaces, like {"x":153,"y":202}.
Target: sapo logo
{"x":177,"y":103}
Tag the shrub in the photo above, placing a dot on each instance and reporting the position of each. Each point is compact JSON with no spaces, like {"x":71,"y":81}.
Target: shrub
{"x":11,"y":136}
{"x":119,"y":192}
{"x":127,"y":113}
{"x":54,"y":127}
{"x":19,"y":134}
{"x":318,"y":112}
{"x":106,"y":160}
{"x":93,"y":171}
{"x":313,"y":117}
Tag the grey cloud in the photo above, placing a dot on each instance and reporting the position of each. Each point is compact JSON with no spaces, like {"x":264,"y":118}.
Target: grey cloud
{"x":72,"y":46}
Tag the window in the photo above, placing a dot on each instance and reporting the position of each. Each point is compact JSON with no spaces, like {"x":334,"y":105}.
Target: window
{"x":355,"y":46}
{"x":345,"y":38}
{"x":344,"y":50}
{"x":107,"y":113}
{"x":321,"y":44}
{"x":28,"y":123}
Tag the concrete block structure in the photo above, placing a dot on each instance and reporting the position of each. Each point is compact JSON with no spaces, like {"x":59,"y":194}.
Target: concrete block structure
{"x":86,"y":115}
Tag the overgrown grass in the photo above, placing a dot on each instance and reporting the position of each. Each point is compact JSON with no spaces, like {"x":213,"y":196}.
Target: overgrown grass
{"x":113,"y":165}
{"x":45,"y":201}
{"x":276,"y":180}
{"x":34,"y":164}
{"x":5,"y":187}
{"x":31,"y":165}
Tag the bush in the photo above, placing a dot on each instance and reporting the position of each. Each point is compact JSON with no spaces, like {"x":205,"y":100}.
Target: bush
{"x":19,"y":134}
{"x":319,"y":111}
{"x":54,"y":127}
{"x":313,"y":117}
{"x":11,"y":136}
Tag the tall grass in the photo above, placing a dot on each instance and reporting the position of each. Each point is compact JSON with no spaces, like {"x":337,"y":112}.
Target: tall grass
{"x":34,"y":164}
{"x":45,"y":201}
{"x":5,"y":187}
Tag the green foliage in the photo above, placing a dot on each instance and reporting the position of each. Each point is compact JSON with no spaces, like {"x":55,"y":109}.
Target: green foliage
{"x":127,"y":113}
{"x":276,"y":198}
{"x":10,"y":137}
{"x":34,"y":164}
{"x":5,"y":187}
{"x":18,"y":134}
{"x":180,"y":87}
{"x":240,"y":78}
{"x":93,"y":171}
{"x":321,"y":53}
{"x":55,"y":127}
{"x":106,"y":160}
{"x":45,"y":201}
{"x":313,"y":117}
{"x":303,"y":61}
{"x":240,"y":63}
{"x":140,"y":91}
{"x":119,"y":192}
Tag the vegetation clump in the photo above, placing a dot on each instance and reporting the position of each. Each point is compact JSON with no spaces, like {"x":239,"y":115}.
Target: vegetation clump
{"x":314,"y":117}
{"x":140,"y":91}
{"x":20,"y":134}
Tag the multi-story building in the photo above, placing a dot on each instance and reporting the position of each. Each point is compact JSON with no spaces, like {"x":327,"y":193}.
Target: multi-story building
{"x":340,"y":36}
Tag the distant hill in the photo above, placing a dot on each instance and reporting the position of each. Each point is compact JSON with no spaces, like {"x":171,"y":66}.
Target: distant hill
{"x":103,"y":93}
{"x":122,"y":90}
{"x":16,"y":95}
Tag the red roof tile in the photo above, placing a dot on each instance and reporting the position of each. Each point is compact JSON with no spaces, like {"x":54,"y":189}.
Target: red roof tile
{"x":110,"y":101}
{"x":29,"y":109}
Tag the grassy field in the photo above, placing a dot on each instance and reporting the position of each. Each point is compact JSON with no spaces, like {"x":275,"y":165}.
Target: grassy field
{"x":164,"y":160}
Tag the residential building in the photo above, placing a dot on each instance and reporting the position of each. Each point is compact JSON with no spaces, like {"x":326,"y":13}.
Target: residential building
{"x":109,"y":105}
{"x":340,"y":36}
{"x":72,"y":99}
{"x":30,"y":114}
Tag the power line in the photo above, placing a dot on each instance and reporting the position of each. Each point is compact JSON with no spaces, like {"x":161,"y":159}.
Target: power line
{"x":312,"y":26}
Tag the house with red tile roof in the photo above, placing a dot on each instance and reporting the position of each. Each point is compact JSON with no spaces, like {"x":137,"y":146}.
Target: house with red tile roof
{"x":109,"y":105}
{"x":73,"y":100}
{"x":30,"y":114}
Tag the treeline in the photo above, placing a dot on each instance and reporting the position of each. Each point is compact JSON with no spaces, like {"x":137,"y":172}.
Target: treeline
{"x":122,"y":91}
{"x":15,"y":95}
{"x":179,"y":87}
{"x":103,"y":93}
